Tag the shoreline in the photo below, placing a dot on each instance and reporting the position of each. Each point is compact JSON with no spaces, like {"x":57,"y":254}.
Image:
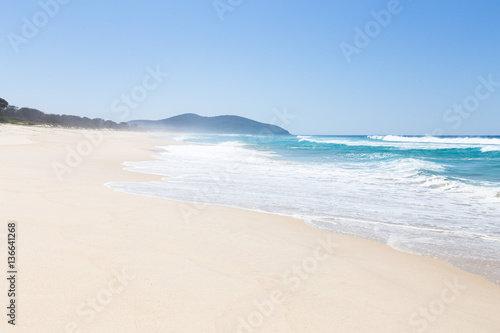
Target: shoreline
{"x":476,"y":266}
{"x":309,"y":225}
{"x":237,"y":270}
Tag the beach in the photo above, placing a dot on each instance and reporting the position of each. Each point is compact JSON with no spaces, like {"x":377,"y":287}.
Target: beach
{"x":92,"y":259}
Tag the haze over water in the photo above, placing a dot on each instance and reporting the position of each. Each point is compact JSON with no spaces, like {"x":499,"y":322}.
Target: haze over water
{"x":436,"y":196}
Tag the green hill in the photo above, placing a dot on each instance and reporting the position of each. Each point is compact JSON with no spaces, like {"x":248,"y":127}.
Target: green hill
{"x":193,"y":123}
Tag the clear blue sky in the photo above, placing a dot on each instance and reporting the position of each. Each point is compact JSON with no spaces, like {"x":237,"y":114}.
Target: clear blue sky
{"x":264,"y":55}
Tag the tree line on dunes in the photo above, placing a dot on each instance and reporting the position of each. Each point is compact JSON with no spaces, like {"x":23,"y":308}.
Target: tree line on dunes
{"x":28,"y":116}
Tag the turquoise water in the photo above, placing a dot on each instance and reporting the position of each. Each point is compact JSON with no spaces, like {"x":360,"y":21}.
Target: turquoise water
{"x":435,"y":196}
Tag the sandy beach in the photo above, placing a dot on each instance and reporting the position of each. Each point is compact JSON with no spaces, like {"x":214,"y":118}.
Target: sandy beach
{"x":91,"y":259}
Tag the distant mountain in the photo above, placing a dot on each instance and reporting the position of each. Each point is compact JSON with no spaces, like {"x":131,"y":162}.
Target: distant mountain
{"x":193,"y":123}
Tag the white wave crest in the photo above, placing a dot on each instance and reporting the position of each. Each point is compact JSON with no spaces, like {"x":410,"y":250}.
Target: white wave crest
{"x":491,"y":143}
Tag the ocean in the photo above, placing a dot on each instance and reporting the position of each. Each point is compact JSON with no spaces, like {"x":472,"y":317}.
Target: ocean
{"x":433,"y":196}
